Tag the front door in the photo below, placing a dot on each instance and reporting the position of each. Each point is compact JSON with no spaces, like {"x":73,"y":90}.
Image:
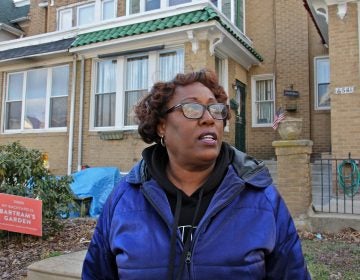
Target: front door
{"x":240,"y":118}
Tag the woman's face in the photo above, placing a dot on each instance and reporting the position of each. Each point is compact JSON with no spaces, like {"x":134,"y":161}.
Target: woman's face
{"x":192,"y":142}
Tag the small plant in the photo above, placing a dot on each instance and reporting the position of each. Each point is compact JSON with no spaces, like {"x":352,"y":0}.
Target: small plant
{"x":23,"y":173}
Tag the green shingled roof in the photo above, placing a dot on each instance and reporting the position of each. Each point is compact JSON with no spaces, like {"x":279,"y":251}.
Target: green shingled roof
{"x":204,"y":15}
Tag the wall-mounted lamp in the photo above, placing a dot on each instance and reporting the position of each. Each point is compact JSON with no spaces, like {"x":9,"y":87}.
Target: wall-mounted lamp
{"x":234,"y":86}
{"x":342,"y":10}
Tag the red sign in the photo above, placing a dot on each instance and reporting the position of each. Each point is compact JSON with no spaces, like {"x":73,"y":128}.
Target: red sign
{"x":20,"y":214}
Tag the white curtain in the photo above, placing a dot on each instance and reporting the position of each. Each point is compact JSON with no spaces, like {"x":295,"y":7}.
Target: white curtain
{"x":136,"y":85}
{"x":105,"y":96}
{"x":171,"y":63}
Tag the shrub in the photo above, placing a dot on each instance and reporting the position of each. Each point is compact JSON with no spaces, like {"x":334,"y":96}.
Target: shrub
{"x":23,"y":173}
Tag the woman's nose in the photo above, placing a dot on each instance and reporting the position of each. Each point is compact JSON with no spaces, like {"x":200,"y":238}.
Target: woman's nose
{"x":206,"y":117}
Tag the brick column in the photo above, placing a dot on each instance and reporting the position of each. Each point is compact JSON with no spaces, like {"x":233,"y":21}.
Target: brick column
{"x":293,"y":174}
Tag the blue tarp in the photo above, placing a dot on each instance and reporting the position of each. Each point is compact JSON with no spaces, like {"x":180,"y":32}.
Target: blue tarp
{"x":96,"y":182}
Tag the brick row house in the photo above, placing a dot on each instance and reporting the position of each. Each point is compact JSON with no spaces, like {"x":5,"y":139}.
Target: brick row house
{"x":71,"y":71}
{"x":343,"y":18}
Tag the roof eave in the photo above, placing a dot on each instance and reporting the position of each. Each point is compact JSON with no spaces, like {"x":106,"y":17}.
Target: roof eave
{"x":11,"y":29}
{"x":236,"y":50}
{"x":323,"y":32}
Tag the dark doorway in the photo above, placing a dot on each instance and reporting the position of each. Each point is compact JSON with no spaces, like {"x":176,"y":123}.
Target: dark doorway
{"x":240,"y":136}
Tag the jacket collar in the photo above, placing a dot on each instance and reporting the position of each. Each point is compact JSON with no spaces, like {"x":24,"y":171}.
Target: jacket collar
{"x":253,"y":172}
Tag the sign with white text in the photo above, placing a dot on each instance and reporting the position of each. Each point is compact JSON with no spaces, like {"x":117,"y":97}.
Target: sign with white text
{"x":20,"y":214}
{"x":344,"y":90}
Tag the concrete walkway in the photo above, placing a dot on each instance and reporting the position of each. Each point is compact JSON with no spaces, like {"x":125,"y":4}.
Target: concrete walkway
{"x":62,"y":267}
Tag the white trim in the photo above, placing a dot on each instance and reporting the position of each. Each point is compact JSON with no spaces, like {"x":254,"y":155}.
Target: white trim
{"x":21,"y":3}
{"x":254,"y":79}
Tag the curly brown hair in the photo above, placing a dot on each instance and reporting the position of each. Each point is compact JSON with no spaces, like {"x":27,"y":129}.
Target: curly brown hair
{"x":151,"y":109}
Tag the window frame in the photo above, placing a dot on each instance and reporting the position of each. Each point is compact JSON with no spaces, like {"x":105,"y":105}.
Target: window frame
{"x":114,"y":9}
{"x":75,"y":8}
{"x":316,"y":84}
{"x":61,"y":19}
{"x":153,"y":74}
{"x":164,"y":4}
{"x":48,"y":98}
{"x":78,"y":8}
{"x":254,"y":79}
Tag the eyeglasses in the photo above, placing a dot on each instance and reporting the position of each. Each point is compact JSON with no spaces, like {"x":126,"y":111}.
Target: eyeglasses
{"x":218,"y":111}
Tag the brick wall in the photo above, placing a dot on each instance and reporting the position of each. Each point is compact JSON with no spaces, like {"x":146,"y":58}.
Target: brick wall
{"x":54,"y":143}
{"x":38,"y":19}
{"x":344,"y":71}
{"x":279,"y":30}
{"x":320,"y":119}
{"x":293,"y":174}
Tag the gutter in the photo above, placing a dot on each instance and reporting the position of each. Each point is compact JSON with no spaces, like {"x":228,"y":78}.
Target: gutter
{"x":72,"y":119}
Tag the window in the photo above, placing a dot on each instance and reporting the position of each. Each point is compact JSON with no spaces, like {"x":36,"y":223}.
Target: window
{"x":170,"y":63}
{"x":322,"y":82}
{"x":136,"y":85}
{"x":37,"y":99}
{"x":116,"y":94}
{"x":84,"y":14}
{"x":108,"y":9}
{"x":219,"y":69}
{"x":263,"y":100}
{"x":65,"y":19}
{"x":105,"y":93}
{"x":233,"y":10}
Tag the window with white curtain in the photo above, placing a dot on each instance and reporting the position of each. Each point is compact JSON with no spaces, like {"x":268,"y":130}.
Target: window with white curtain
{"x":322,"y":83}
{"x":170,"y":63}
{"x":263,"y":100}
{"x":122,"y":82}
{"x":83,"y":14}
{"x":37,"y":99}
{"x":136,"y":85}
{"x":105,"y":95}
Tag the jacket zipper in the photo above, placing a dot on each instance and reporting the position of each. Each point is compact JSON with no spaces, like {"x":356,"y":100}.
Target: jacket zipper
{"x":197,"y":232}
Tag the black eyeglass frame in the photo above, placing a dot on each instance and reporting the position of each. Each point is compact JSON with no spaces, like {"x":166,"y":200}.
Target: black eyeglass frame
{"x":205,"y":107}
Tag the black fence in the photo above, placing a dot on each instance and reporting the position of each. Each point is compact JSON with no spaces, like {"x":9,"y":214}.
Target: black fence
{"x":335,"y":185}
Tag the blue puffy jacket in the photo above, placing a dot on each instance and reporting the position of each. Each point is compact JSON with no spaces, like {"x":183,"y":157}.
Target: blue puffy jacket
{"x":246,"y":232}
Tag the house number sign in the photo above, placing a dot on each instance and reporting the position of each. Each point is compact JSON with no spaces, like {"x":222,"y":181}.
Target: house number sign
{"x":344,"y":90}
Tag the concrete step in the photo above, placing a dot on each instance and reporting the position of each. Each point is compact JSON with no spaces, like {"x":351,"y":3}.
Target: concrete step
{"x":64,"y":267}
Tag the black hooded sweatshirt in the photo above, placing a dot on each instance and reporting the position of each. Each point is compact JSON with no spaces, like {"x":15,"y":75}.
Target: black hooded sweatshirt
{"x":187,"y":210}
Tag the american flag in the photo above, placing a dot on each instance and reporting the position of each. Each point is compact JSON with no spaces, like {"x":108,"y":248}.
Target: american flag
{"x":279,"y":116}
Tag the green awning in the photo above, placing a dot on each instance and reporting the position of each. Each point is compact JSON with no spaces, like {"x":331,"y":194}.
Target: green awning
{"x":205,"y":15}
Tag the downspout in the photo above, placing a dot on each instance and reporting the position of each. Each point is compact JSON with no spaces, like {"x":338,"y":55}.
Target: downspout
{"x":81,"y":109}
{"x":358,"y":16}
{"x":72,"y":120}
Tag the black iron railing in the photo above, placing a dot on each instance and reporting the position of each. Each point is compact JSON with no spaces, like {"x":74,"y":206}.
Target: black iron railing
{"x":335,"y":185}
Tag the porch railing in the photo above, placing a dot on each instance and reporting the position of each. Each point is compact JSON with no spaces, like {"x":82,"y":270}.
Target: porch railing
{"x":335,"y":185}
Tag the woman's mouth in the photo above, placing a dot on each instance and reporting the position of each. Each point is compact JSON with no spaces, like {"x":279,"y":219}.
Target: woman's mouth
{"x":208,"y":138}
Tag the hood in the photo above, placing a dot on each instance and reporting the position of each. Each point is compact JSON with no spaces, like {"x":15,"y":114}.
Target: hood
{"x":252,"y":171}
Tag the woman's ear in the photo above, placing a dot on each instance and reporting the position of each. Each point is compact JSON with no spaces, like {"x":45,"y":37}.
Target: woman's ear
{"x":161,"y":127}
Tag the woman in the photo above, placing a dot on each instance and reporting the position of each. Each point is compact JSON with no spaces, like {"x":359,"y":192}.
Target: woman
{"x":194,"y":207}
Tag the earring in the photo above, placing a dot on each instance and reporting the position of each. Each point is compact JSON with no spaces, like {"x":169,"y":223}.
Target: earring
{"x":162,"y":142}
